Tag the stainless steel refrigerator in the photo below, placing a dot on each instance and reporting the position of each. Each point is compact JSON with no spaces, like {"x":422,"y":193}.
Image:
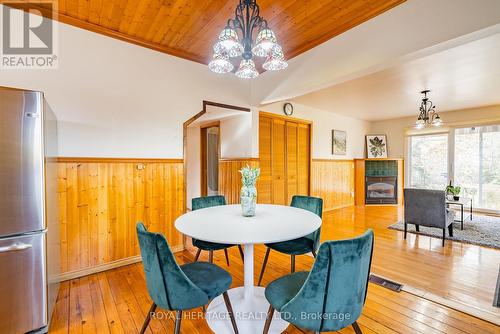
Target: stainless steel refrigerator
{"x":25,"y":192}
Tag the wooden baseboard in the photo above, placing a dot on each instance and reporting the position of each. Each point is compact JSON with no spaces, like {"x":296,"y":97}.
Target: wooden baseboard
{"x":103,"y":267}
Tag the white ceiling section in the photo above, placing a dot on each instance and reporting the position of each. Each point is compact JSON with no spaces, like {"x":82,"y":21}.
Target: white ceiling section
{"x":463,"y":77}
{"x":391,"y":41}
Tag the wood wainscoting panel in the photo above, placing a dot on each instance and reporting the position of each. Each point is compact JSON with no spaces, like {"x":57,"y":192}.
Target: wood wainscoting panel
{"x":230,"y":177}
{"x":101,"y":202}
{"x":333,"y":180}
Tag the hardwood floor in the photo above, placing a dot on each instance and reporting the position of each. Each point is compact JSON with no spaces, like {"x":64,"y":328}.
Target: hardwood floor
{"x":116,"y":301}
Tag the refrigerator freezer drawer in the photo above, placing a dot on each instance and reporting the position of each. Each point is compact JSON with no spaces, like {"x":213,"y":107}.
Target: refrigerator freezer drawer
{"x":23,"y":305}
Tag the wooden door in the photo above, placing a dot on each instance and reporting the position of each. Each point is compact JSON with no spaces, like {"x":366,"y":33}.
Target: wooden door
{"x":303,"y":158}
{"x":284,"y":150}
{"x":264,"y":191}
{"x":278,"y":163}
{"x":291,"y":160}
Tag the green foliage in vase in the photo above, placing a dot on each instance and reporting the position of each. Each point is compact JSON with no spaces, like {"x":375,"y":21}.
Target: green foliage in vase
{"x":455,"y":191}
{"x":249,"y":176}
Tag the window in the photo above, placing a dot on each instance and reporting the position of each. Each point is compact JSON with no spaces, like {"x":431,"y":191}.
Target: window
{"x":428,"y":161}
{"x":477,"y":164}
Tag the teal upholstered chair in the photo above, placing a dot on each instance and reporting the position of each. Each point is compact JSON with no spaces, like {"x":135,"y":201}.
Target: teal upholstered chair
{"x":329,"y":297}
{"x":206,"y":202}
{"x":304,"y":245}
{"x":178,"y":288}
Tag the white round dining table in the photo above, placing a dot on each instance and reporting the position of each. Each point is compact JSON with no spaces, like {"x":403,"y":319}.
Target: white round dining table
{"x":225,"y":224}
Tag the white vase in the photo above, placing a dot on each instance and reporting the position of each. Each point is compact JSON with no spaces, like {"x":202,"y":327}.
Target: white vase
{"x":248,"y":198}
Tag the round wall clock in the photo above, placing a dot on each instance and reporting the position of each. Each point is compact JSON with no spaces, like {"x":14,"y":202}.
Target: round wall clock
{"x":288,"y":109}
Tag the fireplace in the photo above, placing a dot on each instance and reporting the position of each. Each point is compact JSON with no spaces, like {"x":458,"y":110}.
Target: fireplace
{"x":381,"y":190}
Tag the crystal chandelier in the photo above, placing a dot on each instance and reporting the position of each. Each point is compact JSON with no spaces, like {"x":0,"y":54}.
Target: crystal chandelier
{"x":428,"y":114}
{"x":247,"y":21}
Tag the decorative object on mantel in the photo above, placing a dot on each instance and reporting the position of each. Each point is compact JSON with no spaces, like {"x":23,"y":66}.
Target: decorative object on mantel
{"x":247,"y":20}
{"x":453,"y":192}
{"x":248,"y":194}
{"x":428,"y":114}
{"x":376,"y":146}
{"x":482,"y":231}
{"x":339,"y":142}
{"x":288,"y":109}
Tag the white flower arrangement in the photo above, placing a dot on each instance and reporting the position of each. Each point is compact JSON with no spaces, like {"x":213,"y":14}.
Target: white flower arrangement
{"x":249,"y":176}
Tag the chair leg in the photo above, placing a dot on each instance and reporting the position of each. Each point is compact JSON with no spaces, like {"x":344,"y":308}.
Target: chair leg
{"x":178,"y":319}
{"x":357,"y":330}
{"x":450,"y":230}
{"x":148,"y":318}
{"x":230,"y":311}
{"x":197,"y":255}
{"x":241,"y":253}
{"x":227,"y":256}
{"x":406,"y":229}
{"x":292,"y":264}
{"x":264,"y":265}
{"x":269,"y":318}
{"x":417,"y":227}
{"x":444,"y":235}
{"x":211,"y":256}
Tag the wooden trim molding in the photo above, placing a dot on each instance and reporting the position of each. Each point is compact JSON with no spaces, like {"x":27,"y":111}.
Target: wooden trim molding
{"x":103,"y":267}
{"x":286,"y":118}
{"x":114,"y":160}
{"x":239,"y":159}
{"x":333,"y":160}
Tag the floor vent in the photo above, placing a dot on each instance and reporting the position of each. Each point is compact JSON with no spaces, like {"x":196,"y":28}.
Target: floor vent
{"x":386,"y":283}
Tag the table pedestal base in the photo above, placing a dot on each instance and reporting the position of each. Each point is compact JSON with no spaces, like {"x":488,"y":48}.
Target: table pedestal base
{"x":250,"y":313}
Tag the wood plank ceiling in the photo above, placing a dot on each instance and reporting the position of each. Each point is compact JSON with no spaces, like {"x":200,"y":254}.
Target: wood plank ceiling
{"x":189,"y":28}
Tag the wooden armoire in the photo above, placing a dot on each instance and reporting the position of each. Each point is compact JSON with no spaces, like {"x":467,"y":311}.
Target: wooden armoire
{"x":285,"y":158}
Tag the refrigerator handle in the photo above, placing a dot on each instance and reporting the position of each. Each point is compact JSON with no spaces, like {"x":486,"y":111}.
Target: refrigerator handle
{"x":18,"y":246}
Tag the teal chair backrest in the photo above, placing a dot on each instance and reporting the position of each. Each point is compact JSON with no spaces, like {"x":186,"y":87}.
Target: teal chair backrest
{"x":336,"y":286}
{"x":167,"y":284}
{"x":207,"y":201}
{"x":313,"y":204}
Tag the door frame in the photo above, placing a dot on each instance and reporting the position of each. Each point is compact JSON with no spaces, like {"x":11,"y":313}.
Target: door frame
{"x":184,"y":138}
{"x":203,"y":157}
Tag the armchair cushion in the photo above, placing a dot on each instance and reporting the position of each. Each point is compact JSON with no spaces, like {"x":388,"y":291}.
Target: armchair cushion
{"x":282,"y":290}
{"x":295,"y":247}
{"x":208,"y":277}
{"x":208,"y":246}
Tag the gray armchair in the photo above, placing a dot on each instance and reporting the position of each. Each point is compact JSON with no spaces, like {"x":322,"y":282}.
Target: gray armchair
{"x":427,"y":208}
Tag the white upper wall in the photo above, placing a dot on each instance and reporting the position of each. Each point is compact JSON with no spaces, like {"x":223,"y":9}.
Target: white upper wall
{"x":396,"y":129}
{"x":323,"y":124}
{"x":116,"y":99}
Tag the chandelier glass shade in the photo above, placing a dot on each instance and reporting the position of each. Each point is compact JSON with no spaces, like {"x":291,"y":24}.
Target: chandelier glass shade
{"x":247,"y":69}
{"x":237,"y":40}
{"x":275,"y":60}
{"x":220,"y":64}
{"x":428,"y":114}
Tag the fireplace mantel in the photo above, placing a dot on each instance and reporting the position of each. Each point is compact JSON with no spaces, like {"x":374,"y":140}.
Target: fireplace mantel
{"x":388,"y":167}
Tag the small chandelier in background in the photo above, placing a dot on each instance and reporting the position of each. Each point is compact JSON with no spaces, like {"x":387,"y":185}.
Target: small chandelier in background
{"x":247,"y":20}
{"x":428,"y":114}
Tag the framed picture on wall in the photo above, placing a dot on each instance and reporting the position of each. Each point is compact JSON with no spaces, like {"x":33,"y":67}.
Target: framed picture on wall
{"x":339,"y":142}
{"x":376,"y":146}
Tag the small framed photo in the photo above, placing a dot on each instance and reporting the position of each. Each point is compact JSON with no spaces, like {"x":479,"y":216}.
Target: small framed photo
{"x":376,"y":146}
{"x":339,"y":142}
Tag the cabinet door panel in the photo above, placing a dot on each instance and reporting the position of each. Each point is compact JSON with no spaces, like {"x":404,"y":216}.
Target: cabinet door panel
{"x":303,"y":149}
{"x":264,"y":193}
{"x":291,"y":160}
{"x":278,"y":161}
